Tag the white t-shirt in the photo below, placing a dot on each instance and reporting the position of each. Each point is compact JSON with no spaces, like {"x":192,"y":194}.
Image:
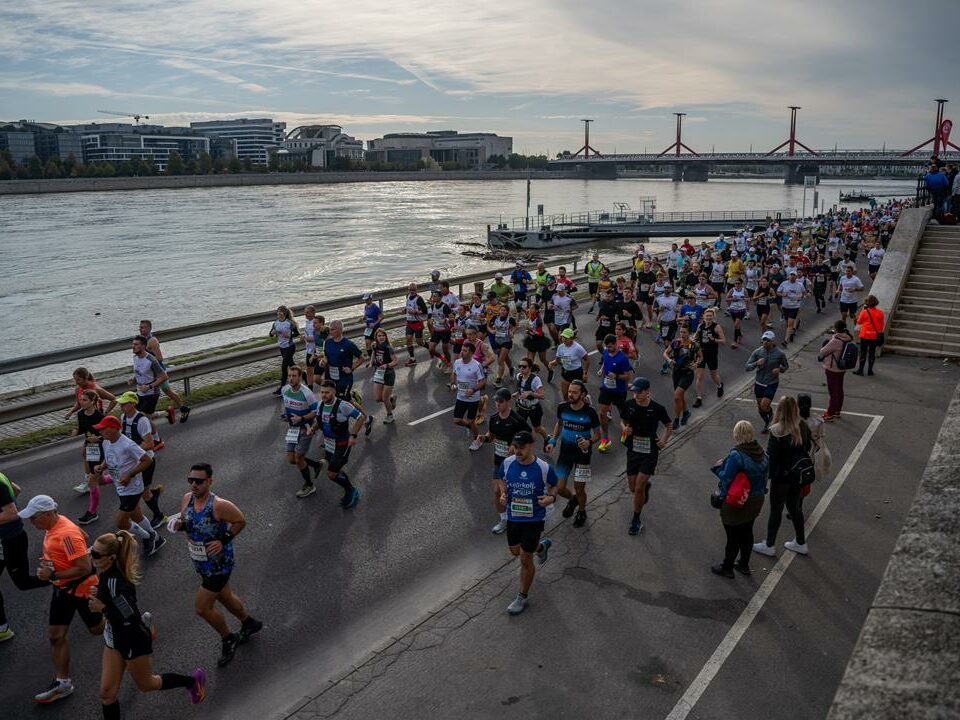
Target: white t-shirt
{"x":469,"y":375}
{"x":571,"y":358}
{"x":121,"y":457}
{"x":849,"y":287}
{"x":667,"y":307}
{"x":792,"y":293}
{"x":561,"y":308}
{"x":451,"y":301}
{"x":875,"y":256}
{"x":535,"y":384}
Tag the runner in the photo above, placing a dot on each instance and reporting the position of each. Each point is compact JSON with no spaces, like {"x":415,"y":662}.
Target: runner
{"x":520,"y":279}
{"x":573,"y":360}
{"x":441,"y":322}
{"x":704,"y":293}
{"x":372,"y":320}
{"x":769,"y":362}
{"x":820,"y":271}
{"x":536,"y":343}
{"x":341,"y":358}
{"x":504,"y":425}
{"x":763,"y":298}
{"x":606,"y":318}
{"x":737,"y":307}
{"x":849,"y":287}
{"x":148,"y":375}
{"x":791,"y":292}
{"x":501,"y":329}
{"x":126,"y":461}
{"x":615,"y":372}
{"x":416,"y":311}
{"x":66,"y":565}
{"x":502,"y":290}
{"x":468,"y":378}
{"x":299,"y":411}
{"x":384,"y":359}
{"x":448,"y":297}
{"x":91,"y":452}
{"x":529,"y":394}
{"x":128,"y":645}
{"x":136,"y":426}
{"x":683,"y":355}
{"x":641,"y":419}
{"x":84,"y":381}
{"x":709,"y":337}
{"x":667,"y":305}
{"x":528,"y":485}
{"x":594,"y":272}
{"x":576,"y":430}
{"x":310,"y":326}
{"x":285,"y":330}
{"x":13,"y":543}
{"x":153,"y":347}
{"x":211,"y":524}
{"x":646,"y":279}
{"x":333,"y":420}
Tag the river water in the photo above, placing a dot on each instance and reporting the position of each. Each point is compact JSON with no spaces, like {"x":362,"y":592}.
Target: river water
{"x":82,"y":267}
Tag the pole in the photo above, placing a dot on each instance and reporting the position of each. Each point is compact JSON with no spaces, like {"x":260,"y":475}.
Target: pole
{"x":526,"y":225}
{"x":803,"y":210}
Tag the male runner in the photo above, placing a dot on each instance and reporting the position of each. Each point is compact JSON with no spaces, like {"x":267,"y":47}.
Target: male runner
{"x":341,"y":358}
{"x":415,"y":312}
{"x":148,"y":376}
{"x":333,"y":420}
{"x":299,"y":410}
{"x":641,"y":418}
{"x":576,"y":430}
{"x":468,"y":378}
{"x":769,"y":362}
{"x":615,"y":373}
{"x":504,"y":425}
{"x":153,"y":347}
{"x":136,"y":426}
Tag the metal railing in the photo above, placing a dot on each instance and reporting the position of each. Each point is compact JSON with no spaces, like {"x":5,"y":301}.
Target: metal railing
{"x":923,"y":193}
{"x":606,"y":217}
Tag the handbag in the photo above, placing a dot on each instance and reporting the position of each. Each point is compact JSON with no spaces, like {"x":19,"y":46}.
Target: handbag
{"x":881,"y":337}
{"x":739,"y":490}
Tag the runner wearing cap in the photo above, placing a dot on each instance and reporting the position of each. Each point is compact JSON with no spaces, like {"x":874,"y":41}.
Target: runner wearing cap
{"x":594,"y":270}
{"x":573,"y":359}
{"x":520,"y":279}
{"x":299,"y":411}
{"x":642,"y":418}
{"x":527,"y":486}
{"x":136,"y":426}
{"x":502,"y":290}
{"x":769,"y":362}
{"x":504,"y":426}
{"x":372,"y":320}
{"x":434,"y":283}
{"x":576,"y":430}
{"x":126,"y":461}
{"x":66,"y":565}
{"x":211,"y":524}
{"x":529,"y":394}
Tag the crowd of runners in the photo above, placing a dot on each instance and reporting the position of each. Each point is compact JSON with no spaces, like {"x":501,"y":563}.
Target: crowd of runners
{"x":497,"y":351}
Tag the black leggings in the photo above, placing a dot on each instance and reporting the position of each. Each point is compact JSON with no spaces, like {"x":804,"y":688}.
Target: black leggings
{"x":286,"y":360}
{"x":868,"y":354}
{"x":739,"y":542}
{"x":785,"y":495}
{"x":16,"y":562}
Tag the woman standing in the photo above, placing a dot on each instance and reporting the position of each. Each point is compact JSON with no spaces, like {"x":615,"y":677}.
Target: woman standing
{"x":747,"y":456}
{"x":384,"y":359}
{"x":789,"y":442}
{"x":829,"y":356}
{"x":127,"y":639}
{"x":284,"y":329}
{"x":870,"y":322}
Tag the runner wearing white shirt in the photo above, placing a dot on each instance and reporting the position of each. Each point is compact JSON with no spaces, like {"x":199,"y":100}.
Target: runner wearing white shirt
{"x":573,"y":359}
{"x":666,"y":306}
{"x":874,"y":258}
{"x":850,"y":287}
{"x":468,"y":378}
{"x":791,"y":292}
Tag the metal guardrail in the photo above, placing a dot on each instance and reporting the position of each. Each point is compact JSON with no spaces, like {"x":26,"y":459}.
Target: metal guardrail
{"x":22,"y":411}
{"x":606,"y":217}
{"x":923,"y":193}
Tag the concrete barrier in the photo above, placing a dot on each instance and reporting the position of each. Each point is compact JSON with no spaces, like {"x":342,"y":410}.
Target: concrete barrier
{"x":906,"y":663}
{"x":175,"y":182}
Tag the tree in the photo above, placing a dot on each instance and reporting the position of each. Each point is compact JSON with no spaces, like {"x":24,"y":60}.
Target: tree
{"x":219,"y":166}
{"x":247,"y":165}
{"x":107,"y":170}
{"x":206,"y":164}
{"x":6,"y":157}
{"x":174,"y":163}
{"x":69,"y":164}
{"x":145,"y":167}
{"x":51,"y":169}
{"x":6,"y":173}
{"x":193,"y":167}
{"x":234,"y":165}
{"x":35,"y":168}
{"x":273,"y":164}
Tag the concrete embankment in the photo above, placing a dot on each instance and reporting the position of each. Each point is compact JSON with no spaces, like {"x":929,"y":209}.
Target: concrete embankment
{"x":177,"y":182}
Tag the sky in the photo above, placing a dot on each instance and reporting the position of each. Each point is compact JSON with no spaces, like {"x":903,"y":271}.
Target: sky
{"x":865,"y":72}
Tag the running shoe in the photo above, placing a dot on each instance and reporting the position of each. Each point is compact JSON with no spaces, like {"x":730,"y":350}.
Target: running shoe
{"x":352,"y":499}
{"x":722,"y":571}
{"x":635,"y":527}
{"x":742,"y":569}
{"x":368,"y":425}
{"x":764,"y":549}
{"x":228,"y":648}
{"x":198,"y":691}
{"x":184,"y":413}
{"x":411,"y":362}
{"x":796,"y":547}
{"x":500,"y":528}
{"x":581,"y":519}
{"x":698,"y":402}
{"x":306,"y":491}
{"x":159,"y":445}
{"x":58,"y":689}
{"x":389,"y":419}
{"x":676,"y":423}
{"x":356,"y":398}
{"x":720,"y":391}
{"x":157,"y":542}
{"x":81,"y":488}
{"x":549,"y":375}
{"x":544,"y":550}
{"x":570,"y":508}
{"x":250,"y":627}
{"x":6,"y":635}
{"x":87,"y":518}
{"x":171,"y":414}
{"x":517,"y":606}
{"x":685,"y":418}
{"x":477,"y":443}
{"x":157,"y":520}
{"x":604,"y":445}
{"x":665,"y":369}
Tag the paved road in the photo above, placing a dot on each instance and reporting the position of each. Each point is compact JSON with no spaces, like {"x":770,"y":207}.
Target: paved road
{"x":332,"y":586}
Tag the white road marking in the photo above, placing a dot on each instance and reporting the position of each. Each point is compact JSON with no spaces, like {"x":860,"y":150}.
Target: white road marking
{"x":699,"y":685}
{"x":845,"y":412}
{"x":438,"y":413}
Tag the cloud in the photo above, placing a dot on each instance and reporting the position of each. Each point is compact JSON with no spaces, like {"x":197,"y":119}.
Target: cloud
{"x":213,"y":74}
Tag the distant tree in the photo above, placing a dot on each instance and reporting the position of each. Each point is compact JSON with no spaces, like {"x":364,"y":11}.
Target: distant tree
{"x":22,"y":172}
{"x":35,"y":168}
{"x":6,"y":173}
{"x":174,"y":163}
{"x":108,"y":170}
{"x":247,"y":165}
{"x":235,"y":166}
{"x":145,"y":167}
{"x":206,"y":164}
{"x":7,"y":157}
{"x":273,"y":164}
{"x":78,"y":170}
{"x":51,"y":169}
{"x":193,"y":167}
{"x":219,"y":166}
{"x":69,"y":164}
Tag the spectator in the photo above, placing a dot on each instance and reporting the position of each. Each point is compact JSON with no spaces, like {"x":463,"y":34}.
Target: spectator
{"x":870,"y":322}
{"x":829,"y":356}
{"x":955,"y":207}
{"x":939,"y":187}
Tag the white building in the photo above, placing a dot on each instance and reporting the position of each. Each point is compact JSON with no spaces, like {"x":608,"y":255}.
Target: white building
{"x":252,"y":135}
{"x":117,"y":142}
{"x":464,"y":149}
{"x":319,"y":145}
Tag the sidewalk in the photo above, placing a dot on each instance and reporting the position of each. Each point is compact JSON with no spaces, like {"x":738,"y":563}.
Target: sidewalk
{"x":630,"y":627}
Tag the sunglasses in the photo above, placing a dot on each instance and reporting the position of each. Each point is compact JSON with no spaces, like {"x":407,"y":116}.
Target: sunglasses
{"x":196,"y":481}
{"x":523,"y":367}
{"x":98,"y":556}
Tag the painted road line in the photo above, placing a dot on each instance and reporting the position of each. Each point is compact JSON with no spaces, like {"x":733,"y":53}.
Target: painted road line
{"x":438,"y":413}
{"x":709,"y":671}
{"x":845,"y":412}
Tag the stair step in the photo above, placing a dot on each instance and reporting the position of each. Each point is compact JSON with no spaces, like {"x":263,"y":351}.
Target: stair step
{"x":945,"y":328}
{"x":932,"y":292}
{"x":931,"y":336}
{"x":905,"y":316}
{"x":925,"y":283}
{"x":920,"y":351}
{"x":936,"y":261}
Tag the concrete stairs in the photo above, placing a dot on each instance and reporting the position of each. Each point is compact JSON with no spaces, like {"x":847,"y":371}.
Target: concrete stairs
{"x":927,"y":318}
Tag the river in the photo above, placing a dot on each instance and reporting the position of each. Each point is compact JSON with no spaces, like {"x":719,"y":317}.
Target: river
{"x":87,"y":266}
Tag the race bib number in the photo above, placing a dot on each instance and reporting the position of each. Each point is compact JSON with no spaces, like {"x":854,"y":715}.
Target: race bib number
{"x":93,"y":453}
{"x":568,"y":363}
{"x":379,"y":374}
{"x":197,"y":550}
{"x":641,"y":445}
{"x":517,"y":287}
{"x":581,"y":473}
{"x":293,"y":435}
{"x":464,"y":386}
{"x":644,"y":287}
{"x":368,"y":332}
{"x":330,"y":444}
{"x":500,"y":448}
{"x":501,"y":337}
{"x":609,"y":382}
{"x":334,"y":372}
{"x":521,"y":507}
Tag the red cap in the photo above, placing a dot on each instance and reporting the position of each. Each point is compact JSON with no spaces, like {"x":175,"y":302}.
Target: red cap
{"x":110,"y":421}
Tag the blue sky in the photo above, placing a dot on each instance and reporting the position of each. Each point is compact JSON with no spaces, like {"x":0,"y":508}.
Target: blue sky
{"x":865,"y":72}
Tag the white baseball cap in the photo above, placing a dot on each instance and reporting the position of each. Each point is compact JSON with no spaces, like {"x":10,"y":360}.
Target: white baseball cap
{"x":768,"y":335}
{"x":498,"y":276}
{"x":38,"y":504}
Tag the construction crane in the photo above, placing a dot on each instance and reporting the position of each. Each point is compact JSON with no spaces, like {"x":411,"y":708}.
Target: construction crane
{"x":136,"y":116}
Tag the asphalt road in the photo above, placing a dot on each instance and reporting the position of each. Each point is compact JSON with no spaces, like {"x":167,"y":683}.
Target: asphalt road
{"x":331,"y":585}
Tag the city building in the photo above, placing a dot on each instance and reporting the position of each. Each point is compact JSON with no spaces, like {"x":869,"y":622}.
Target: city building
{"x":51,"y":140}
{"x":252,"y":135}
{"x":318,"y":146}
{"x":117,"y":142}
{"x":19,"y":143}
{"x":468,"y":150}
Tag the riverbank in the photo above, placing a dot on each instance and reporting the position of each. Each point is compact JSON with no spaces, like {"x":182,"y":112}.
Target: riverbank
{"x":177,"y":182}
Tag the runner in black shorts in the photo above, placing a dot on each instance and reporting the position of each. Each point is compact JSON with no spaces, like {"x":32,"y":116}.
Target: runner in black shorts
{"x":577,"y":429}
{"x":383,"y":360}
{"x":683,"y":355}
{"x":642,"y":418}
{"x":709,"y":337}
{"x":504,"y":425}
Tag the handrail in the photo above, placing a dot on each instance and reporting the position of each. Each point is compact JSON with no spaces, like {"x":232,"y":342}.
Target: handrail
{"x":105,"y":347}
{"x":607,"y":217}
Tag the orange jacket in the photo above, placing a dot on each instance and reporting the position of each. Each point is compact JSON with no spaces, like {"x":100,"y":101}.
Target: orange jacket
{"x":870,"y":321}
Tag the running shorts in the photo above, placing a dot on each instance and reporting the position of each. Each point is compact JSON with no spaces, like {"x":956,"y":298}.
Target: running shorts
{"x":642,"y":463}
{"x":147,"y":404}
{"x":337,"y":460}
{"x":128,"y":503}
{"x":711,"y":357}
{"x":765,"y":391}
{"x":465,"y":408}
{"x":525,"y":534}
{"x":64,"y":604}
{"x":612,"y":397}
{"x":214,"y":583}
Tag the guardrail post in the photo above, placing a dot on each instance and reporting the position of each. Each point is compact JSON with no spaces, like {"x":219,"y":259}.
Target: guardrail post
{"x":575,"y":263}
{"x":186,"y":387}
{"x":478,"y":287}
{"x":460,"y":290}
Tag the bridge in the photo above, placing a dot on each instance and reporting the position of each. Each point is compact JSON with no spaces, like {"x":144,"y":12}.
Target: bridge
{"x":694,"y":166}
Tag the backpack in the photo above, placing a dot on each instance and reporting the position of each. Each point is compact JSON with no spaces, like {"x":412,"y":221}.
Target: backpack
{"x":739,"y":490}
{"x":848,"y":356}
{"x":802,"y":470}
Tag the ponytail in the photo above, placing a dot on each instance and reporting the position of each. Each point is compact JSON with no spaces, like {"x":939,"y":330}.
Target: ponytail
{"x":124,"y":547}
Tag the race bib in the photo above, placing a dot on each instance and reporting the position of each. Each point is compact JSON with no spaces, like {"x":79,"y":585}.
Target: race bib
{"x":500,"y":448}
{"x":501,"y":337}
{"x":521,"y":507}
{"x":368,"y":332}
{"x":379,"y":374}
{"x":330,"y":444}
{"x":334,"y":372}
{"x":609,"y":382}
{"x":641,"y":445}
{"x":517,"y":287}
{"x":568,"y":363}
{"x":93,"y":453}
{"x":581,"y":473}
{"x":464,"y":386}
{"x":198,"y":551}
{"x":293,"y":435}
{"x":644,"y":287}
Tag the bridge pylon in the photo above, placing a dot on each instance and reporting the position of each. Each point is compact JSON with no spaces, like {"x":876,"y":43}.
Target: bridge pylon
{"x":678,"y":143}
{"x":940,"y":139}
{"x":586,"y":149}
{"x":792,"y":141}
